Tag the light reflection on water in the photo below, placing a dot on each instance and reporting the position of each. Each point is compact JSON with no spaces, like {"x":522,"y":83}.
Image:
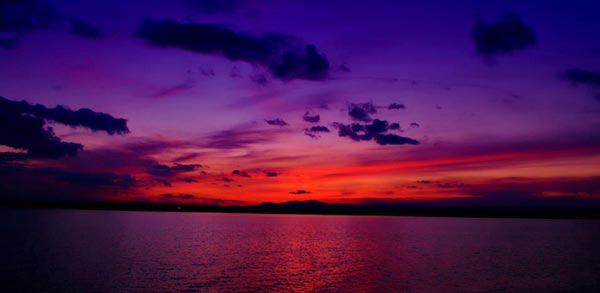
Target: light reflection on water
{"x":60,"y":250}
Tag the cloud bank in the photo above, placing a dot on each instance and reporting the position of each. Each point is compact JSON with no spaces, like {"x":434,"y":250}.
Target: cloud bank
{"x":285,"y":57}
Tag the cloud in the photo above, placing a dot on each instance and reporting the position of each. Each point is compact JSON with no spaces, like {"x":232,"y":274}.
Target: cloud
{"x":312,"y":119}
{"x":507,"y":35}
{"x":166,"y":171}
{"x":393,"y":139}
{"x":583,"y":76}
{"x":300,"y":191}
{"x":451,"y":185}
{"x":83,"y":117}
{"x":26,"y":15}
{"x":414,"y":125}
{"x":227,"y":179}
{"x":315,"y":130}
{"x":9,"y":42}
{"x":375,"y":131}
{"x":22,"y":126}
{"x":44,"y":183}
{"x":361,"y":111}
{"x":342,"y":68}
{"x":19,"y":17}
{"x":394,"y":126}
{"x":84,"y":29}
{"x":241,"y":137}
{"x":240,"y":173}
{"x":91,"y":179}
{"x":12,"y":157}
{"x":259,"y":79}
{"x":175,"y":89}
{"x":396,"y":106}
{"x":178,"y":196}
{"x":278,"y":122}
{"x":271,"y":174}
{"x":284,"y":57}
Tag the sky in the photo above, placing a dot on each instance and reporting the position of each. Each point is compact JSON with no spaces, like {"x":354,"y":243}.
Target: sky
{"x":241,"y":102}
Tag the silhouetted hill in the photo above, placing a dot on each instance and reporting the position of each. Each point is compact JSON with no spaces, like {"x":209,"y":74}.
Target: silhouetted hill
{"x":556,"y":208}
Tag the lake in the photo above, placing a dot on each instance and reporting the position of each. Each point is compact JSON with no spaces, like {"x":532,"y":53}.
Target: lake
{"x":109,"y":251}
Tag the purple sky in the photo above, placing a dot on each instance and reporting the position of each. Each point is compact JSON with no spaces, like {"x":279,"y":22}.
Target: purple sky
{"x":186,"y":106}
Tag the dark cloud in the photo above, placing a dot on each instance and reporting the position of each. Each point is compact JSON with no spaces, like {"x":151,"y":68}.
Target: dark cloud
{"x":209,"y":72}
{"x":235,"y":72}
{"x":396,"y":106}
{"x":312,"y":119}
{"x":361,"y":111}
{"x":415,"y":125}
{"x":9,"y":42}
{"x":227,"y":179}
{"x":175,"y":89}
{"x":25,"y":183}
{"x":315,"y":130}
{"x":507,"y":35}
{"x":378,"y":126}
{"x":92,"y":179}
{"x":26,"y":15}
{"x":84,"y":29}
{"x":240,"y":137}
{"x":240,"y":173}
{"x":259,"y":79}
{"x":300,"y":191}
{"x":394,"y":126}
{"x":451,"y":185}
{"x":301,"y":63}
{"x":160,"y":181}
{"x":18,"y":17}
{"x":160,"y":170}
{"x":187,"y":180}
{"x":278,"y":122}
{"x":583,"y":76}
{"x":186,"y":157}
{"x":12,"y":157}
{"x":83,"y":117}
{"x":374,"y":131}
{"x":342,"y":68}
{"x":178,"y":196}
{"x":23,"y":126}
{"x":284,"y":57}
{"x":318,"y":129}
{"x":28,"y":133}
{"x":185,"y":167}
{"x":424,"y":182}
{"x":166,"y":171}
{"x":393,"y":139}
{"x":271,"y":174}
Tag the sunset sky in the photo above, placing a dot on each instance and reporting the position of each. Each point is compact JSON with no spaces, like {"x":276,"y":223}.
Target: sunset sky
{"x":242,"y":102}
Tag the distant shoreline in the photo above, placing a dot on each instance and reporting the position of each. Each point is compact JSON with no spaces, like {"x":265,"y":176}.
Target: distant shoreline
{"x":320,"y":208}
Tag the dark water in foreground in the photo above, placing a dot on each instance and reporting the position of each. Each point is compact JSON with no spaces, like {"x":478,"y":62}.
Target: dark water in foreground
{"x":68,"y":250}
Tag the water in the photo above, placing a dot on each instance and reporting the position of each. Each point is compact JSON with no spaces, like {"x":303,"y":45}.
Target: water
{"x":75,"y":251}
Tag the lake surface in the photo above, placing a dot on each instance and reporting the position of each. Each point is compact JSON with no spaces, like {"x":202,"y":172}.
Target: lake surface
{"x":76,"y":251}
